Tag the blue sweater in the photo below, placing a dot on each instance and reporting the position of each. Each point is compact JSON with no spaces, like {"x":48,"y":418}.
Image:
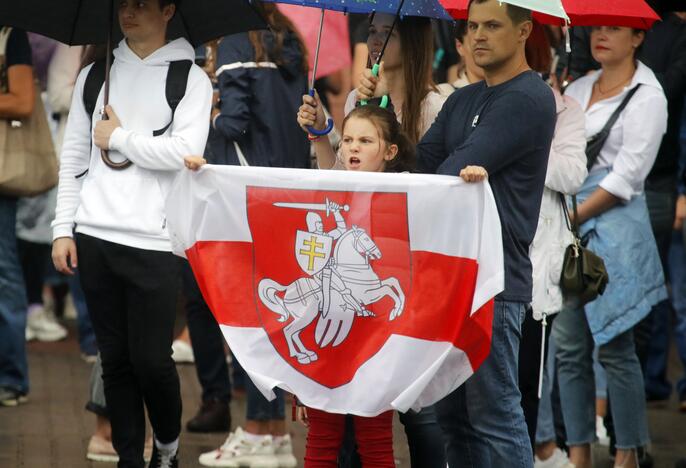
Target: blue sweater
{"x":507,"y":129}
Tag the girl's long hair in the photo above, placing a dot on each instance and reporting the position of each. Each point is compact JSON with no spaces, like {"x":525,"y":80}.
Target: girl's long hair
{"x":279,"y":25}
{"x":391,"y":132}
{"x":417,"y":52}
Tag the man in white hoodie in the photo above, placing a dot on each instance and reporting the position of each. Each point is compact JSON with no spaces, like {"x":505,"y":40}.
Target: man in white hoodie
{"x":113,"y":221}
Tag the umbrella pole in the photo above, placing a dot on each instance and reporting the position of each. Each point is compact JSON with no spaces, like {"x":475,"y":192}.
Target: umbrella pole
{"x":329,"y":123}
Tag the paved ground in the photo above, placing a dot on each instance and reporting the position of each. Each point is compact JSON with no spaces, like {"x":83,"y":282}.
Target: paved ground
{"x":52,"y":430}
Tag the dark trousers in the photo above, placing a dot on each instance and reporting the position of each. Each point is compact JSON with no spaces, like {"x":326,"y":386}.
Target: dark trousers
{"x":529,"y":369}
{"x":34,"y":258}
{"x":131,"y":296}
{"x":207,"y":341}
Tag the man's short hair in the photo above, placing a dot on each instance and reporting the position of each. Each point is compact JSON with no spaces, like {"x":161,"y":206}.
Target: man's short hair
{"x":164,"y":3}
{"x":517,"y":14}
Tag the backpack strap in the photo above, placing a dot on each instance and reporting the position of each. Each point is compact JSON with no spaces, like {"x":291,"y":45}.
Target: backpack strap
{"x":93,"y":85}
{"x":175,"y":90}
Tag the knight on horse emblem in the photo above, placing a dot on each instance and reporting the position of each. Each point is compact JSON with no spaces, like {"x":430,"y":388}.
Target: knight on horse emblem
{"x":340,"y":281}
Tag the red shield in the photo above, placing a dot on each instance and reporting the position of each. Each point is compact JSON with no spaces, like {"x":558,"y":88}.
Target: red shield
{"x":274,"y":227}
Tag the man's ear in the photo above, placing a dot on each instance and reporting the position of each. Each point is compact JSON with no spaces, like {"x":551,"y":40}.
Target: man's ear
{"x":168,"y":11}
{"x":525,"y":30}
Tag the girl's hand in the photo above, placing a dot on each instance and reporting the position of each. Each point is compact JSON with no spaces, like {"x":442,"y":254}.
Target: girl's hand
{"x":194,"y":162}
{"x":311,"y":113}
{"x":372,"y":86}
{"x":473,"y":174}
{"x":301,"y":415}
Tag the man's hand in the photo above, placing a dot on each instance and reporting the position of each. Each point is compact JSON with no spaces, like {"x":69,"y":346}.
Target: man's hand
{"x":64,"y":255}
{"x":311,"y":113}
{"x":194,"y":162}
{"x":680,"y":215}
{"x":104,"y":129}
{"x":473,"y":174}
{"x":372,"y":86}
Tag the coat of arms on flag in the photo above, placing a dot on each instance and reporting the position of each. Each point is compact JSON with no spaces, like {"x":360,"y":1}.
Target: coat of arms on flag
{"x":358,"y":292}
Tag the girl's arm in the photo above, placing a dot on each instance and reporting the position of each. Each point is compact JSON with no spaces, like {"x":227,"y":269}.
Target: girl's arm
{"x":311,"y":114}
{"x":599,"y":202}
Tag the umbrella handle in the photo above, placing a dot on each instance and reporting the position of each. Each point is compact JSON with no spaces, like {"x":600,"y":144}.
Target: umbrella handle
{"x":384,"y":98}
{"x":329,"y":124}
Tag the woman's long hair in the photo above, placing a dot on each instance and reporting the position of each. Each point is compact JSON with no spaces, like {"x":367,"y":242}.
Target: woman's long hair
{"x":417,"y":52}
{"x":279,"y":26}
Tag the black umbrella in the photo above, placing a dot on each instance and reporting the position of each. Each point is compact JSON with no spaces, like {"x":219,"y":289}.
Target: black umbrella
{"x":82,"y":22}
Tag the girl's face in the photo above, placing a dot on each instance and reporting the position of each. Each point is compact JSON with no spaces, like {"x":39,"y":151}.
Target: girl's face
{"x":362,"y":148}
{"x":613,"y":44}
{"x":378,"y":30}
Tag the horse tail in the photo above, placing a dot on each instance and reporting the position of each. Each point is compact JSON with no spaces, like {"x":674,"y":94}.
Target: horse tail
{"x":267,"y":290}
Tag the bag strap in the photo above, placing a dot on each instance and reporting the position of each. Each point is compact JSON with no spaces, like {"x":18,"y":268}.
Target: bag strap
{"x":175,"y":90}
{"x":572,"y":226}
{"x":93,"y":85}
{"x":605,"y":132}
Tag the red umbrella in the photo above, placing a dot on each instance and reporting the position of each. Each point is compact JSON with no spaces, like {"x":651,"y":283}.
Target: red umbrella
{"x":630,"y":13}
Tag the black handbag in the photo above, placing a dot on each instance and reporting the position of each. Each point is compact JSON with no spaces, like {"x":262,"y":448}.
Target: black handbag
{"x":597,"y":141}
{"x":584,"y":276}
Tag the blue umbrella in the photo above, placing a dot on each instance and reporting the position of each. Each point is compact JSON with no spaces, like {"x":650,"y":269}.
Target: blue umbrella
{"x":399,"y":8}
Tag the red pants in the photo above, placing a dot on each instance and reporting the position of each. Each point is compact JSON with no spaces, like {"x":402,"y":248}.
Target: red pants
{"x":374,"y":437}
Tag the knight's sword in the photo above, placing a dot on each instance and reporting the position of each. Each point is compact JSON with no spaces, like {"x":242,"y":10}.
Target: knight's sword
{"x":326,"y":206}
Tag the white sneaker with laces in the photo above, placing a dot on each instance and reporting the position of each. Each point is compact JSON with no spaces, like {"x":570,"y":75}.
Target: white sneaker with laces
{"x":42,"y":326}
{"x":237,"y":451}
{"x":557,"y":460}
{"x":283,"y":449}
{"x":182,"y":352}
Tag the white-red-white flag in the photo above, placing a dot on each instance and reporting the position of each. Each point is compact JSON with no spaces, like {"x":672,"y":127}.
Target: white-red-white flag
{"x":357,"y":292}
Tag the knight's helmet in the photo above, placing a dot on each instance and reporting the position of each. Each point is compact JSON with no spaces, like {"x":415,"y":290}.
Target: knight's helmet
{"x":314,"y":222}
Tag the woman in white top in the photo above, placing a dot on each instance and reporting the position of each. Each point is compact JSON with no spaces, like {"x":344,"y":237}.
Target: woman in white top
{"x":405,"y":75}
{"x":615,"y":225}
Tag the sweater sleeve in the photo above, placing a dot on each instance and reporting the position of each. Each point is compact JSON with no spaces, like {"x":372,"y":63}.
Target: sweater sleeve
{"x":187,"y":135}
{"x":74,"y":162}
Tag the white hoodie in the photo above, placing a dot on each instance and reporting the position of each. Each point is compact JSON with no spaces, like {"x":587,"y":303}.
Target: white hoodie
{"x":127,"y":206}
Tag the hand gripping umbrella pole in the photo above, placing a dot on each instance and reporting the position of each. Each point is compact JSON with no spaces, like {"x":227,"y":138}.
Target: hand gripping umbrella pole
{"x":329,"y":123}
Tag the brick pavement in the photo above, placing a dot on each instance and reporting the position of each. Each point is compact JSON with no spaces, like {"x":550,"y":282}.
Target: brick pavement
{"x":52,"y":430}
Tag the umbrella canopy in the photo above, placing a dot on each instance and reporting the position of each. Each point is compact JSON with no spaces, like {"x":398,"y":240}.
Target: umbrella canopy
{"x":630,"y":13}
{"x":78,"y":22}
{"x":426,"y":8}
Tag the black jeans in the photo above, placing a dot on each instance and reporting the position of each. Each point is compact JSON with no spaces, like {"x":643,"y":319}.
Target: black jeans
{"x":131,"y":295}
{"x":207,"y":341}
{"x":529,"y":369}
{"x":34,"y":258}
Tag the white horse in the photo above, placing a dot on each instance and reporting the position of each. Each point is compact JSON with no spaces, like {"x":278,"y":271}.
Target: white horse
{"x":303,"y":298}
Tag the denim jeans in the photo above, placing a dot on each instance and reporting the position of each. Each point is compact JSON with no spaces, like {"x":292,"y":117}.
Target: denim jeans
{"x":14,"y":372}
{"x":677,"y":269}
{"x":87,"y":342}
{"x":261,"y":409}
{"x":577,"y":389}
{"x":482,"y":421}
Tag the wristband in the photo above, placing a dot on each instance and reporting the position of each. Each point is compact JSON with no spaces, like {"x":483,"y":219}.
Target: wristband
{"x":313,"y":137}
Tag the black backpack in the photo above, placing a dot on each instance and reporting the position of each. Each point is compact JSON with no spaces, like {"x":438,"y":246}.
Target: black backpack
{"x":175,"y":89}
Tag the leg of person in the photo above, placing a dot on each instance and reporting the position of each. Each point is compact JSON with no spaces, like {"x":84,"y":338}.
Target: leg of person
{"x":100,"y":446}
{"x":425,"y":438}
{"x":577,"y":390}
{"x":283,"y":446}
{"x":626,"y":392}
{"x":529,"y":370}
{"x":374,"y":437}
{"x":483,"y":420}
{"x":324,"y":438}
{"x":14,"y":372}
{"x":105,"y":296}
{"x":153,"y":281}
{"x":210,"y":360}
{"x":348,"y":456}
{"x":677,"y":269}
{"x":87,"y":342}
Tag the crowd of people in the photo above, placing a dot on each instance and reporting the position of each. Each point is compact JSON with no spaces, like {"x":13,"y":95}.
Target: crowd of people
{"x":503,"y":101}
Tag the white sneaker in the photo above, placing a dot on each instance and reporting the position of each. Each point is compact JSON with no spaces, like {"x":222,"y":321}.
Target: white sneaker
{"x":601,"y":432}
{"x":182,"y":353}
{"x":283,"y":449}
{"x":237,"y":451}
{"x":43,"y":326}
{"x":69,"y":308}
{"x":557,"y":460}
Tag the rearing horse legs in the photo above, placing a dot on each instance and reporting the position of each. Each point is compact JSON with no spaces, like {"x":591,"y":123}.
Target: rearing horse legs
{"x":400,"y":304}
{"x":293,"y":329}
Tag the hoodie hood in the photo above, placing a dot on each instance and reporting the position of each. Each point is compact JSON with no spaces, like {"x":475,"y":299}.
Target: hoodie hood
{"x":290,"y":61}
{"x":178,"y":49}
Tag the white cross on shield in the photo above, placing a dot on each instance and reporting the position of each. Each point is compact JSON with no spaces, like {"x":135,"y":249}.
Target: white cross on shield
{"x":312,"y":251}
